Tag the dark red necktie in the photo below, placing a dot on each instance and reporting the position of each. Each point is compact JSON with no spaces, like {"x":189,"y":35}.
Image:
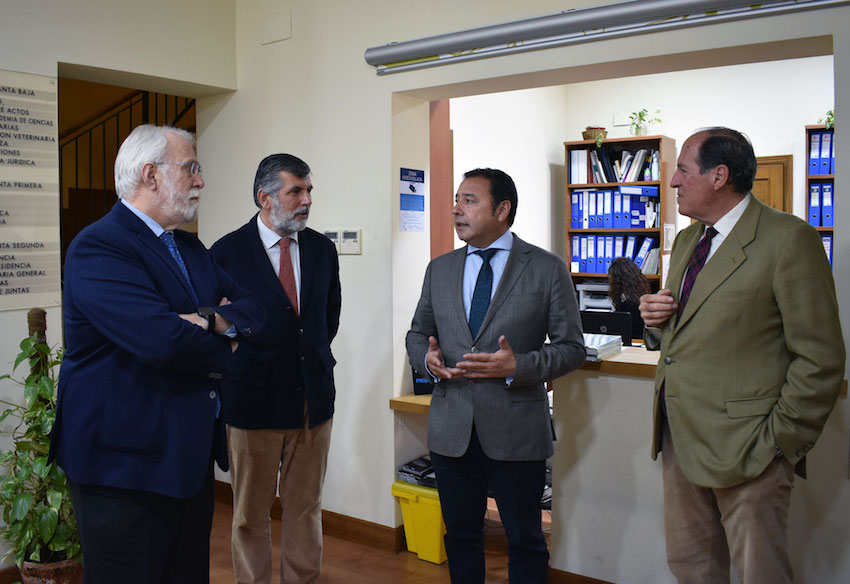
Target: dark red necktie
{"x":694,"y":268}
{"x":287,"y":275}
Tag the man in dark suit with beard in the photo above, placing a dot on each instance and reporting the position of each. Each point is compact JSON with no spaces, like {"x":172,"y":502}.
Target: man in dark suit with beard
{"x":279,"y":410}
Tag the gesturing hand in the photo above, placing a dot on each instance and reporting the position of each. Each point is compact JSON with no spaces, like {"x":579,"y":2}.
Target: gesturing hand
{"x":434,"y":361}
{"x":502,"y":363}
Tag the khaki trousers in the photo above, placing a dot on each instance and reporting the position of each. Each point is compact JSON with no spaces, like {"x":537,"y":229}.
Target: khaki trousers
{"x":257,"y":458}
{"x":749,"y":521}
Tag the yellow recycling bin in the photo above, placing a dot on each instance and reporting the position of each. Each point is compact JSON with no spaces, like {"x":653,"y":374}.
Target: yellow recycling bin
{"x":423,"y":521}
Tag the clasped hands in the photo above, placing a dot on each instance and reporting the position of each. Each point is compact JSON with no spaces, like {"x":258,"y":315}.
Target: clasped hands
{"x":502,"y":363}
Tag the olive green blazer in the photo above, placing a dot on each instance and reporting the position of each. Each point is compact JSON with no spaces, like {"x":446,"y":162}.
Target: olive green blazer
{"x":756,"y":360}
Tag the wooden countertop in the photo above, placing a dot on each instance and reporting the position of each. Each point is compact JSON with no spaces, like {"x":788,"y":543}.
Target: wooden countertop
{"x":634,"y":361}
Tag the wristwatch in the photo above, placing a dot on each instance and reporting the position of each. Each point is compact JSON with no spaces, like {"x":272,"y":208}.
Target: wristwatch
{"x":208,"y":312}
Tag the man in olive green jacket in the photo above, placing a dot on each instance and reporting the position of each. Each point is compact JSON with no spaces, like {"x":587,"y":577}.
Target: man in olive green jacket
{"x":752,"y":359}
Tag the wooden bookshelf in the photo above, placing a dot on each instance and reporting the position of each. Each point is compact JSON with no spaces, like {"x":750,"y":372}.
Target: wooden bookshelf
{"x":584,"y":181}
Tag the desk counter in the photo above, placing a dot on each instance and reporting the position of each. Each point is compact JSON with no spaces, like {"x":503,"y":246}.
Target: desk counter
{"x":631,"y":361}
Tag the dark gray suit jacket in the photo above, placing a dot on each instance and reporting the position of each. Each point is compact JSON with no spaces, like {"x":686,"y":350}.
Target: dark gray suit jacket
{"x":535,"y":298}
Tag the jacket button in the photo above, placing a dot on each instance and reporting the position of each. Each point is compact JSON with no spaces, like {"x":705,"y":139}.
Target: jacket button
{"x":212,"y":395}
{"x":668,"y":360}
{"x":303,"y":358}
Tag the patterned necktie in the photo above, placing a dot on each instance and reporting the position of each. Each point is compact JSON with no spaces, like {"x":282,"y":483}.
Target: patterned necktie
{"x":694,"y":268}
{"x":167,"y":238}
{"x":286,"y":274}
{"x":483,"y":289}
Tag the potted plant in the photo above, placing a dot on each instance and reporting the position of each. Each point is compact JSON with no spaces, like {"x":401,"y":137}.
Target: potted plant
{"x":829,"y":119}
{"x":40,"y":527}
{"x":597,"y":133}
{"x":641,"y":120}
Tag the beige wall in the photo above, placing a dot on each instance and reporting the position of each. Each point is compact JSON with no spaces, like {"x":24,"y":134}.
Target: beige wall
{"x":153,"y":44}
{"x":314,"y":95}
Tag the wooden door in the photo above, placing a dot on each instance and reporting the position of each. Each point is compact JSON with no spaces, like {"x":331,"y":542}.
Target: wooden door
{"x":773,"y":184}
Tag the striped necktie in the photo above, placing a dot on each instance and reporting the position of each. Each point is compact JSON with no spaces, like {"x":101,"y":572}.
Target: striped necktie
{"x":694,"y":268}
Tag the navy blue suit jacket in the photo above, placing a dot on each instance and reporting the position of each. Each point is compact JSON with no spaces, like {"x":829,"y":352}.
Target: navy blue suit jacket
{"x":138,"y":384}
{"x":290,"y":359}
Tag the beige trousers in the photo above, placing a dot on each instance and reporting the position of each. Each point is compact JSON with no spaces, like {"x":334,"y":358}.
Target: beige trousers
{"x":257,"y":458}
{"x":704,"y":526}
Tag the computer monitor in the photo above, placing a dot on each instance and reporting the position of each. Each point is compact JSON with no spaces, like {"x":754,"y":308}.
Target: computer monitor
{"x":608,"y":323}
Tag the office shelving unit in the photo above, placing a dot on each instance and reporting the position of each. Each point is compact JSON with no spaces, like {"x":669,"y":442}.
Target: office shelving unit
{"x":666,"y":147}
{"x":819,"y":178}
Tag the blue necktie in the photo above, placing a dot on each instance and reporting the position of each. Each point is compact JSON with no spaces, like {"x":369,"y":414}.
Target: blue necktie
{"x":167,"y":238}
{"x":483,"y":289}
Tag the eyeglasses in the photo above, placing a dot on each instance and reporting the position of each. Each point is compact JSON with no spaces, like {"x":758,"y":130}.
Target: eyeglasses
{"x":193,"y":166}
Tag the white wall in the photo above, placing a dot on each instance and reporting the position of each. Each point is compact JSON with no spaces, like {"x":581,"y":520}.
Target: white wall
{"x":523,"y":134}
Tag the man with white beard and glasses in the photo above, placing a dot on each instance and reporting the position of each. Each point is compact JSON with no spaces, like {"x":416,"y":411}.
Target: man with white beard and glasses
{"x":279,"y":410}
{"x":151,"y":327}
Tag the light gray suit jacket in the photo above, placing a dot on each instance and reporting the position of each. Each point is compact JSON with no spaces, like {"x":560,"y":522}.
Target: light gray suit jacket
{"x":535,"y":298}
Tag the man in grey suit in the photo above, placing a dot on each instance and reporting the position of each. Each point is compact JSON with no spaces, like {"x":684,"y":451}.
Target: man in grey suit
{"x":480,"y":330}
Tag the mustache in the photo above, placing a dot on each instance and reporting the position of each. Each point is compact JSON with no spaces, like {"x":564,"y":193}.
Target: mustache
{"x":303,"y":210}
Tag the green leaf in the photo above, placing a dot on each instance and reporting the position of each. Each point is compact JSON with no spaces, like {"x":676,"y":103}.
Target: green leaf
{"x":47,"y":523}
{"x":54,"y":498}
{"x":60,"y":539}
{"x":30,"y":391}
{"x":6,"y":414}
{"x":21,"y":505}
{"x":39,"y":466}
{"x":30,"y":446}
{"x":46,"y":387}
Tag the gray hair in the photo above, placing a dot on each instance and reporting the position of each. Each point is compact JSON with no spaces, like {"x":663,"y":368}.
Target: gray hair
{"x":267,"y":178}
{"x":146,"y":143}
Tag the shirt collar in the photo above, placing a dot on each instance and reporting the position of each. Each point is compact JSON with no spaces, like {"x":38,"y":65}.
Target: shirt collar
{"x":506,"y":242}
{"x":725,"y":224}
{"x":269,"y":237}
{"x":153,"y":225}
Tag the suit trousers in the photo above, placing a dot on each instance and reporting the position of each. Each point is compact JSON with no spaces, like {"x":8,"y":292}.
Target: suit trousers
{"x":704,"y":525}
{"x":517,"y":486}
{"x":139,"y":537}
{"x":257,"y":458}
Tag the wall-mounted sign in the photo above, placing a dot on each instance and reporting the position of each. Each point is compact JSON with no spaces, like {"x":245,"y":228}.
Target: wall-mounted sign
{"x":412,"y":200}
{"x":29,"y":192}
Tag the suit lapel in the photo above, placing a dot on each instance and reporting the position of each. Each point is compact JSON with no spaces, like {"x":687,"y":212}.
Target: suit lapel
{"x":728,"y":257}
{"x":457,"y":263}
{"x":153,"y":243}
{"x":308,"y":265}
{"x":677,"y":267}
